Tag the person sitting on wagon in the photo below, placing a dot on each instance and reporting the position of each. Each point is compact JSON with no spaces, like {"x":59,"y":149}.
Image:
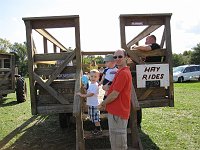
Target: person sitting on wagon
{"x":150,"y":44}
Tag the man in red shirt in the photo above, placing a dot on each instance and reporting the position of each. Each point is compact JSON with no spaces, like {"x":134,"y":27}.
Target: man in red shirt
{"x":118,"y":103}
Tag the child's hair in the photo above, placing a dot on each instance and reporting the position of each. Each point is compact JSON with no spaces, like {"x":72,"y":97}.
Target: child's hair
{"x":94,"y":71}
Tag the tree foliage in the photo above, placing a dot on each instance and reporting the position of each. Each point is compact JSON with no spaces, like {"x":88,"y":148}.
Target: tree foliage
{"x":187,"y":57}
{"x":87,"y":60}
{"x":20,"y":51}
{"x":5,"y":46}
{"x":177,"y":60}
{"x":195,"y":57}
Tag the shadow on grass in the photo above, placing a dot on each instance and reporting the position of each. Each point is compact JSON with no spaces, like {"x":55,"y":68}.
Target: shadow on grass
{"x":10,"y":136}
{"x":4,"y":103}
{"x":41,"y":133}
{"x":147,"y":143}
{"x":44,"y":133}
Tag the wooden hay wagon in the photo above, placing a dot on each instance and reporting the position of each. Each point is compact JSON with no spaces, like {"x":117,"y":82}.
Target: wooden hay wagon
{"x":10,"y":81}
{"x":51,"y":94}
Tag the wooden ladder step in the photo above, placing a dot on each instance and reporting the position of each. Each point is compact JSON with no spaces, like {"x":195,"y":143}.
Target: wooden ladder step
{"x":105,"y":133}
{"x":89,"y":135}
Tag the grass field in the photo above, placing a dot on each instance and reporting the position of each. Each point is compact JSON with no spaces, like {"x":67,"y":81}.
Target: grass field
{"x":174,"y":128}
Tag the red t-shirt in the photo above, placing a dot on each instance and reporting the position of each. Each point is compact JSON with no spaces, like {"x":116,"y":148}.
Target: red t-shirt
{"x":123,"y":84}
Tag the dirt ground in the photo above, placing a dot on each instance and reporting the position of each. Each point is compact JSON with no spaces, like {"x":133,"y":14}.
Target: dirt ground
{"x":43,"y":132}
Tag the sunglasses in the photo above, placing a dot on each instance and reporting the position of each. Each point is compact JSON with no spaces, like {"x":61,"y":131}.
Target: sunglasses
{"x":120,"y":56}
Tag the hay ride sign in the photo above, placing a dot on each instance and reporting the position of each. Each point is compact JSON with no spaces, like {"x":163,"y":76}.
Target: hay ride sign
{"x":152,"y":75}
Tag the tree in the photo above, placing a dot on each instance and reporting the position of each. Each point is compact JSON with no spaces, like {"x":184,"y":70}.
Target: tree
{"x":177,"y":60}
{"x":5,"y":46}
{"x":195,"y":57}
{"x":187,"y":57}
{"x":20,"y":51}
{"x":99,"y":60}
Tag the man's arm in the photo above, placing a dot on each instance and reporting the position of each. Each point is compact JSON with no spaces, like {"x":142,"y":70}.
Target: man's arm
{"x":111,"y":97}
{"x":142,"y":47}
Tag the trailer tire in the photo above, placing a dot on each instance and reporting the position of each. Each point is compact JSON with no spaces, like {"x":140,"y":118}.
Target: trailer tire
{"x":180,"y":79}
{"x":21,"y":90}
{"x":64,"y":120}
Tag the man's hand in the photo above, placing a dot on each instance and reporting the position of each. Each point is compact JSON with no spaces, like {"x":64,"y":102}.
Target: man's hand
{"x":81,"y":95}
{"x":101,"y":106}
{"x":133,"y":47}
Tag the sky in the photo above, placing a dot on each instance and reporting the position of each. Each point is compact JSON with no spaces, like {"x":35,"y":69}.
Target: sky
{"x":99,"y":21}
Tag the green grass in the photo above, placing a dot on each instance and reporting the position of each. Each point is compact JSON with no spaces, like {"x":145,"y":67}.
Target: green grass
{"x":169,"y":128}
{"x":176,"y":127}
{"x":13,"y":114}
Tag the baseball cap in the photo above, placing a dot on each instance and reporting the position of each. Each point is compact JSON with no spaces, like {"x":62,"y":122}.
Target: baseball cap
{"x":109,"y":57}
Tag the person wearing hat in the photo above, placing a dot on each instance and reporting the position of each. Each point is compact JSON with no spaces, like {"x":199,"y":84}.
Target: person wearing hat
{"x":109,"y":72}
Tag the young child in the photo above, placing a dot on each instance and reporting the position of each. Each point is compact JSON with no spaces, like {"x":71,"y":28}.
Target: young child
{"x":93,"y":101}
{"x":109,"y":73}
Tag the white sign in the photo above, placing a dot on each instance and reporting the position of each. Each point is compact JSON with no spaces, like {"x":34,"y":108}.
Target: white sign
{"x":152,"y":75}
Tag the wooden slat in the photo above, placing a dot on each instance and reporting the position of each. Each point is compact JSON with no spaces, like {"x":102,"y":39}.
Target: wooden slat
{"x":169,"y":60}
{"x":45,"y":44}
{"x":105,"y":133}
{"x":50,"y":70}
{"x":6,"y":87}
{"x":12,"y":64}
{"x":157,"y":52}
{"x":163,"y":38}
{"x":52,"y":21}
{"x":5,"y":56}
{"x":7,"y":91}
{"x":155,"y":93}
{"x":146,"y":94}
{"x":6,"y":81}
{"x":134,"y":57}
{"x":154,"y":103}
{"x":51,"y":91}
{"x":48,"y":99}
{"x":134,"y":99}
{"x":54,"y":109}
{"x":122,"y":33}
{"x":30,"y":49}
{"x":5,"y":78}
{"x":5,"y":69}
{"x":62,"y":86}
{"x":52,"y":39}
{"x":60,"y":68}
{"x":136,"y":142}
{"x":142,"y":35}
{"x":51,"y":56}
{"x":144,"y":19}
{"x":89,"y":135}
{"x":97,"y":53}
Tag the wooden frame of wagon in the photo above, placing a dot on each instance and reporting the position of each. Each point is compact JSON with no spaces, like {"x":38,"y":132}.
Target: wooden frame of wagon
{"x":70,"y":103}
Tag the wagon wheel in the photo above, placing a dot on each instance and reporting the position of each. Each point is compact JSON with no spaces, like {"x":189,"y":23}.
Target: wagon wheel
{"x":21,"y":90}
{"x":180,"y":79}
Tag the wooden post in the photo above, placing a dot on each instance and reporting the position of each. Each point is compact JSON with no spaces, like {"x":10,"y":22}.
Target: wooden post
{"x":30,"y":66}
{"x":169,"y":59}
{"x":45,"y":45}
{"x":80,"y":145}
